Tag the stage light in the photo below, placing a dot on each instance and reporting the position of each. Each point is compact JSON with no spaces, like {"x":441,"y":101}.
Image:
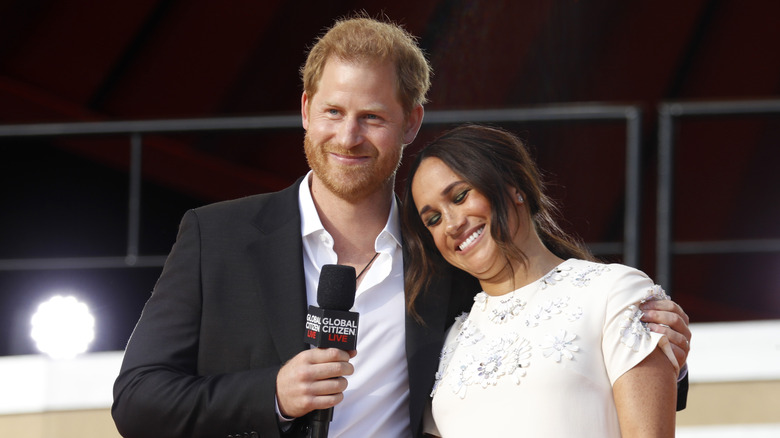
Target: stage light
{"x":62,"y":327}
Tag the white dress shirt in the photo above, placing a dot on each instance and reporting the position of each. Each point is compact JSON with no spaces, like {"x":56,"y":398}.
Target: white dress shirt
{"x":376,"y":401}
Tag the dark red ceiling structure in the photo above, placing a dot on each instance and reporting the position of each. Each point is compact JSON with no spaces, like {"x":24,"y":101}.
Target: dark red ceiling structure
{"x":79,"y":60}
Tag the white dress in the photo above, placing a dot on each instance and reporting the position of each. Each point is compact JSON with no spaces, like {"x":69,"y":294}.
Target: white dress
{"x":540,"y":361}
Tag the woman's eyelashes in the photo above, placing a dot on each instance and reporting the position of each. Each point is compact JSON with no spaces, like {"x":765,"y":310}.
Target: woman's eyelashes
{"x":434,"y":218}
{"x":461,"y":196}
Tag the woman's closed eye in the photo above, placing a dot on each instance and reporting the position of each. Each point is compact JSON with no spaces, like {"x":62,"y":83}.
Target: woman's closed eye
{"x":461,"y":196}
{"x":432,"y":219}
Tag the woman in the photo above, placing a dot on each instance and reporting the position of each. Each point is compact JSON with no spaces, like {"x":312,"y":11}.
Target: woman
{"x":553,"y":346}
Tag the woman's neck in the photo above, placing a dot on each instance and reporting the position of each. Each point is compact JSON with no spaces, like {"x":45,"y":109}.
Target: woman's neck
{"x":538,"y":262}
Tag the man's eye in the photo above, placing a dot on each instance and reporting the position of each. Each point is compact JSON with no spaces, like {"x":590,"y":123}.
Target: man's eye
{"x":333,"y":112}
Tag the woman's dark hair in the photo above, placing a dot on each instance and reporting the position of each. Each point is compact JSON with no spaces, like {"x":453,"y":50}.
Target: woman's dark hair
{"x":491,"y":160}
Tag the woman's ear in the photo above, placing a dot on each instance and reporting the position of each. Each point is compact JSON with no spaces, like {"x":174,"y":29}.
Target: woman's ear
{"x":519,"y":198}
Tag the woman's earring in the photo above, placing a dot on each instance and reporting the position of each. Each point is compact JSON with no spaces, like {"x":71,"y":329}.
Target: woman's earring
{"x":519,"y":198}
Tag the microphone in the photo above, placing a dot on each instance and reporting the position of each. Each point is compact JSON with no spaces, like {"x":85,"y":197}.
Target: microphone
{"x":332,"y":325}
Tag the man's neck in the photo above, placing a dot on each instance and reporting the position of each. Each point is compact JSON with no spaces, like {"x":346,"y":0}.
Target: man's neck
{"x":354,"y":225}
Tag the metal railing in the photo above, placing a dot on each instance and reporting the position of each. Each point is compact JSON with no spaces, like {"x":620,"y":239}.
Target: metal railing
{"x":629,"y":114}
{"x":666,"y":247}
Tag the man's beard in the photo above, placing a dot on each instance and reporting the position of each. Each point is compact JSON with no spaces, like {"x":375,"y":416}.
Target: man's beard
{"x":351,"y":183}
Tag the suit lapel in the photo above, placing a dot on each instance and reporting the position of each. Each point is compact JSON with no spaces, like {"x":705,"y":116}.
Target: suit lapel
{"x":280,"y":285}
{"x":424,"y":342}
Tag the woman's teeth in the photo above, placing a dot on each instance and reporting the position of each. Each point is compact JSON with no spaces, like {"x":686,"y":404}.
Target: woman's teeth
{"x":470,"y":239}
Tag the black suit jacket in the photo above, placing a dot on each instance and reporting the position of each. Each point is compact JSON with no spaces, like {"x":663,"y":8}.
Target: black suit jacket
{"x":228,"y":311}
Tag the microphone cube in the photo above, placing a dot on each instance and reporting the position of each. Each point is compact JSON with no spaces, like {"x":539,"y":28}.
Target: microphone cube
{"x":326,"y":328}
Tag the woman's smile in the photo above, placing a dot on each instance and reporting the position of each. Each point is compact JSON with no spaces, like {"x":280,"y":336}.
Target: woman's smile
{"x":471,"y":239}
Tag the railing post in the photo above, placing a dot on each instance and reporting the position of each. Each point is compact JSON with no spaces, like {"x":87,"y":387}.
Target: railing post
{"x":665,"y":183}
{"x":633,"y":187}
{"x":134,"y":200}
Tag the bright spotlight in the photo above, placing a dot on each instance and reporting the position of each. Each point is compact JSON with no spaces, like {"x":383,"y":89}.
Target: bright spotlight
{"x":62,"y":327}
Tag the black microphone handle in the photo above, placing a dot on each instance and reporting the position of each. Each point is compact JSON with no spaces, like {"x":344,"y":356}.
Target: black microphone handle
{"x":320,"y":423}
{"x":335,"y":292}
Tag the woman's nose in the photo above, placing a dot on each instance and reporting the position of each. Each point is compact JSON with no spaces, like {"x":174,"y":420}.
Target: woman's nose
{"x":455,"y":223}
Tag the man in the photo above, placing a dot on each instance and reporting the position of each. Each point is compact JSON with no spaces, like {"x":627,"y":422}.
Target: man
{"x":219,"y":348}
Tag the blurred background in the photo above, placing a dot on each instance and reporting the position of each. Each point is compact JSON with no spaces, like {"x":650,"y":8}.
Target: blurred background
{"x":600,"y":89}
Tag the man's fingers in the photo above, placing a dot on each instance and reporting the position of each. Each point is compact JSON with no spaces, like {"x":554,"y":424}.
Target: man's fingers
{"x":671,"y":319}
{"x":680,"y":344}
{"x":679,"y":354}
{"x":329,"y":387}
{"x":321,"y":355}
{"x":668,"y":313}
{"x":313,"y":379}
{"x":666,"y":306}
{"x":675,"y":337}
{"x":329,"y":370}
{"x":325,"y":401}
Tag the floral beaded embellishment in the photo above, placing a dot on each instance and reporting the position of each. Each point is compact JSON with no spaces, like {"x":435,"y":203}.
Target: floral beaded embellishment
{"x":446,"y":353}
{"x":632,"y":329}
{"x":506,"y":357}
{"x":545,"y":311}
{"x":559,"y":345}
{"x":444,"y":361}
{"x":583,"y":278}
{"x":519,"y":360}
{"x":575,"y":314}
{"x":468,"y":334}
{"x":490,"y":368}
{"x":507,"y":308}
{"x":503,"y":359}
{"x":555,"y":276}
{"x":656,"y":292}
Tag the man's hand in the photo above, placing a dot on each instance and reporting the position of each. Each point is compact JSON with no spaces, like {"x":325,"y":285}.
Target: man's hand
{"x":668,"y":318}
{"x":313,"y":379}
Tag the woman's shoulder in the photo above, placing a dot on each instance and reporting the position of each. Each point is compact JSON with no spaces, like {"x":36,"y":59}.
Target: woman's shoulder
{"x":608,"y":278}
{"x":615,"y":281}
{"x":607,"y":270}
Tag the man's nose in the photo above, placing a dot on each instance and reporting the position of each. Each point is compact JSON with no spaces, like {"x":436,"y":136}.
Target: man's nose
{"x":350,"y":133}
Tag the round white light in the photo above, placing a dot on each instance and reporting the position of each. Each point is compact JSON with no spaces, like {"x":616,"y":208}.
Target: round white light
{"x":63,"y":327}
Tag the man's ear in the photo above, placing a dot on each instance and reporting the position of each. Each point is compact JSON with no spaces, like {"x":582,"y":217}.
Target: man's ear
{"x":305,"y":111}
{"x":413,"y":123}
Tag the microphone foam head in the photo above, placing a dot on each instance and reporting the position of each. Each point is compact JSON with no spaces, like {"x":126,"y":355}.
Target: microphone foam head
{"x":336,"y":289}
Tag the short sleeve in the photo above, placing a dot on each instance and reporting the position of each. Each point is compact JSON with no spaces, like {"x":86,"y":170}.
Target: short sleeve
{"x":626,"y":340}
